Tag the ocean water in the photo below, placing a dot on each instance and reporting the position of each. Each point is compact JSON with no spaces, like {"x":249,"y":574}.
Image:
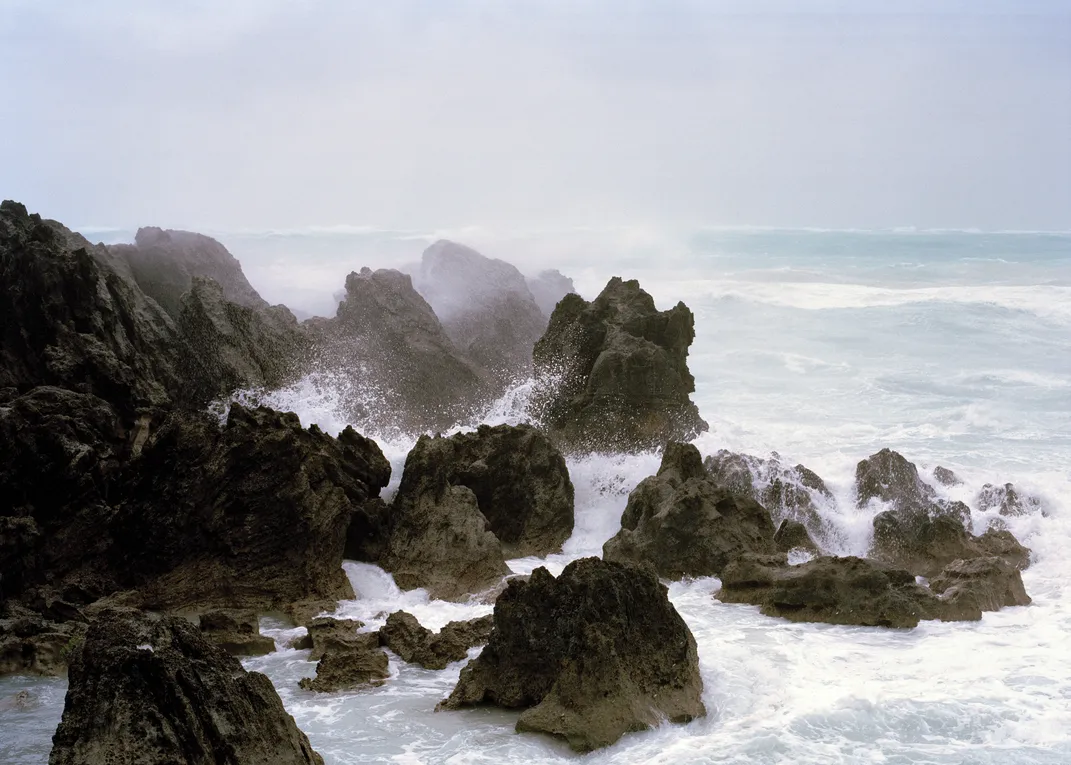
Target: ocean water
{"x":953,"y":348}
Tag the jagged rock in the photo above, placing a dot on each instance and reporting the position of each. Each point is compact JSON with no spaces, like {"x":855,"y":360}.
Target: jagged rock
{"x":325,"y":632}
{"x":389,"y":340}
{"x":443,"y":543}
{"x":888,"y":477}
{"x":252,"y":515}
{"x":980,"y":584}
{"x":946,"y":477}
{"x":165,"y":263}
{"x":1007,"y":500}
{"x":834,"y":590}
{"x":236,"y":632}
{"x":154,"y":691}
{"x":588,"y":656}
{"x":788,"y":493}
{"x":69,"y":319}
{"x":519,"y":478}
{"x":234,"y":346}
{"x":33,"y":645}
{"x":613,"y":373}
{"x":924,"y":544}
{"x":792,"y":535}
{"x":359,"y":662}
{"x":484,"y":305}
{"x":416,"y":644}
{"x":681,"y":522}
{"x":549,"y":287}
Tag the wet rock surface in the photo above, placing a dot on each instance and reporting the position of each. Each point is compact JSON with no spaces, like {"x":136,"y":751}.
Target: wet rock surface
{"x":1007,"y":500}
{"x":946,"y":477}
{"x":32,"y":644}
{"x":236,"y":632}
{"x":356,"y":663}
{"x":793,"y":535}
{"x":613,"y":373}
{"x":980,"y":584}
{"x":416,"y":644}
{"x":520,"y":481}
{"x":595,"y":653}
{"x":683,"y":524}
{"x":146,"y":690}
{"x":325,"y":632}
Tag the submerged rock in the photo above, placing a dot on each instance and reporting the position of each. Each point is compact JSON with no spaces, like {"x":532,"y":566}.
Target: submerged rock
{"x":145,"y":690}
{"x":356,"y":663}
{"x":389,"y":341}
{"x":485,"y":306}
{"x":548,"y":288}
{"x":416,"y":644}
{"x":589,"y":656}
{"x":681,"y":522}
{"x":1007,"y":500}
{"x":519,"y":479}
{"x":613,"y":373}
{"x":236,"y":632}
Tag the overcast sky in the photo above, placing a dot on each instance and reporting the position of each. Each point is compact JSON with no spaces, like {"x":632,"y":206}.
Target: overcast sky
{"x":256,"y":114}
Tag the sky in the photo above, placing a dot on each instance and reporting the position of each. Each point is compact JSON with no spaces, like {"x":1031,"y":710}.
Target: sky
{"x":263,"y":114}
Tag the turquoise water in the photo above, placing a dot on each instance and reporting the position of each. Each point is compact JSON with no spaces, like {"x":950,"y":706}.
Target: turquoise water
{"x":951,"y":347}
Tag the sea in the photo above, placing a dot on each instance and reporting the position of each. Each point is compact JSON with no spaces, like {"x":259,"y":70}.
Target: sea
{"x":951,"y":347}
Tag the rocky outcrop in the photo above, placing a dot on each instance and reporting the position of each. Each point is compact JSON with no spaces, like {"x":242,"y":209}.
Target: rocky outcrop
{"x":890,"y":478}
{"x":613,"y":373}
{"x":145,"y":690}
{"x":789,"y":493}
{"x":416,"y":644}
{"x":519,"y":479}
{"x":980,"y":584}
{"x":251,"y":515}
{"x":234,"y":346}
{"x":165,"y":264}
{"x":683,"y":524}
{"x":548,"y":288}
{"x":588,"y":656}
{"x":485,"y":306}
{"x":236,"y":632}
{"x":68,"y":319}
{"x":31,"y":644}
{"x":946,"y":477}
{"x":792,"y":536}
{"x":389,"y":341}
{"x":326,"y":632}
{"x":356,"y":663}
{"x":1007,"y":500}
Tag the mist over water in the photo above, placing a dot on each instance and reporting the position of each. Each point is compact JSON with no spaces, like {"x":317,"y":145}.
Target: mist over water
{"x":953,"y":348}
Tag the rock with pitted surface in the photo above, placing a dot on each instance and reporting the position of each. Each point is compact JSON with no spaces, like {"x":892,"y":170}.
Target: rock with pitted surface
{"x":236,"y":632}
{"x":485,"y":306}
{"x":325,"y":632}
{"x":355,"y":663}
{"x":548,"y":288}
{"x":165,"y":264}
{"x":70,"y":317}
{"x":980,"y":584}
{"x":251,"y":515}
{"x":153,"y":691}
{"x":613,"y":373}
{"x":792,"y":535}
{"x":388,"y":339}
{"x":1007,"y":500}
{"x":416,"y":644}
{"x":789,"y":493}
{"x":31,"y":644}
{"x":519,"y":478}
{"x":946,"y":477}
{"x":683,"y":524}
{"x":589,"y":656}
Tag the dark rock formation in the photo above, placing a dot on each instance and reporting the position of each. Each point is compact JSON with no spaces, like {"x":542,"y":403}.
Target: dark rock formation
{"x":146,"y":690}
{"x":484,"y":305}
{"x":613,"y":373}
{"x":683,"y":524}
{"x":588,"y":656}
{"x":233,"y":346}
{"x":325,"y":632}
{"x":357,"y":663}
{"x":519,"y":478}
{"x":1007,"y":500}
{"x":236,"y":632}
{"x":416,"y":644}
{"x":548,"y":288}
{"x":68,"y":319}
{"x":792,"y":535}
{"x":789,"y":493}
{"x":980,"y":584}
{"x":890,"y":478}
{"x":946,"y":477}
{"x":387,"y":338}
{"x":165,"y":264}
{"x":31,"y":644}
